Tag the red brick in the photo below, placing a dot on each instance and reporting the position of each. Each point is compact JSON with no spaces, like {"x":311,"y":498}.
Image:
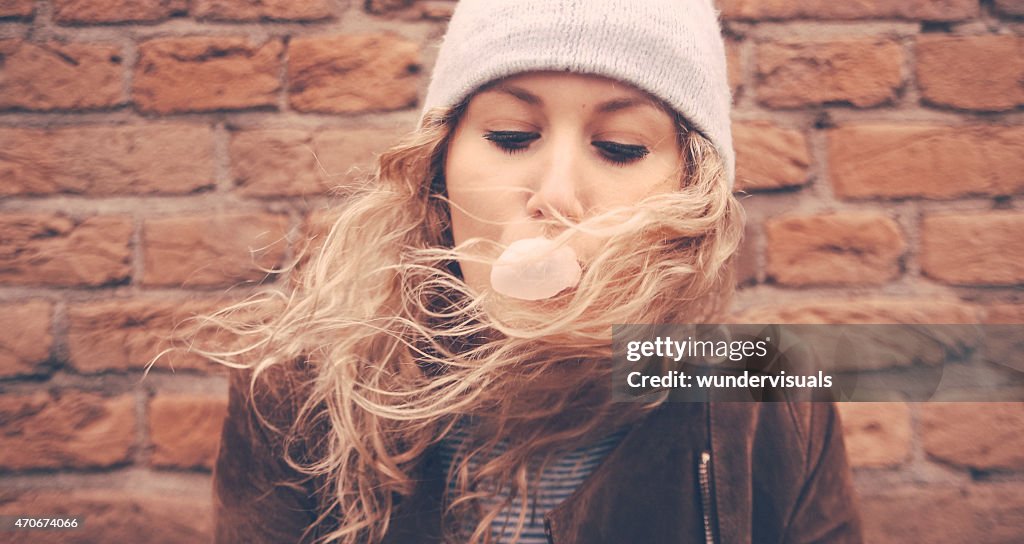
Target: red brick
{"x":877,"y":348}
{"x":149,"y":159}
{"x":355,"y":73}
{"x":17,"y":8}
{"x":1004,"y":313}
{"x":848,"y":248}
{"x":43,"y":249}
{"x":435,"y":9}
{"x":58,"y":76}
{"x":207,"y":251}
{"x":384,"y":6}
{"x":896,"y":161}
{"x":275,"y":162}
{"x":979,"y":435}
{"x":412,"y":9}
{"x":998,"y":510}
{"x":150,"y":515}
{"x":746,"y":260}
{"x":116,"y":11}
{"x":863,"y":72}
{"x":769,"y":156}
{"x":974,"y":248}
{"x":971,"y":72}
{"x":990,"y":512}
{"x":917,"y":515}
{"x":877,"y":310}
{"x":929,"y":10}
{"x":246,"y":10}
{"x":25,"y":337}
{"x":347,"y":155}
{"x":1004,"y":344}
{"x":126,"y":334}
{"x":286,"y":162}
{"x":1010,"y":7}
{"x":67,"y":429}
{"x":735,"y":66}
{"x":185,"y":429}
{"x":877,"y":434}
{"x":204,"y":74}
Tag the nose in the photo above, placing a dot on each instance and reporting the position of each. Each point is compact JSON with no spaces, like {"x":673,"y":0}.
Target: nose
{"x":559,"y":184}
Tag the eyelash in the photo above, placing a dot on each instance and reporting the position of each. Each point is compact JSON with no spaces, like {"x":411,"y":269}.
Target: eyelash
{"x":512,"y":142}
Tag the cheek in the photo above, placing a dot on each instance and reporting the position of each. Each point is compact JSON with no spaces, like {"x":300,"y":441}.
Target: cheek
{"x":460,"y":172}
{"x":471,"y":219}
{"x":633,"y":187}
{"x":477,"y":210}
{"x":665,"y":175}
{"x":483,"y":195}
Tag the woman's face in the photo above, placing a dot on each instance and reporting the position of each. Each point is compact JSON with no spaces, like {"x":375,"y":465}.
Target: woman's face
{"x":541,"y":145}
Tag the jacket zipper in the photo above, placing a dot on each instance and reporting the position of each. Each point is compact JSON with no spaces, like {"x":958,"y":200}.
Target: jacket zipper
{"x":704,"y":473}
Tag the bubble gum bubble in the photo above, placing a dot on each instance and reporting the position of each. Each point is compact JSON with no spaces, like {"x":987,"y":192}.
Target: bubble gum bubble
{"x":535,"y":269}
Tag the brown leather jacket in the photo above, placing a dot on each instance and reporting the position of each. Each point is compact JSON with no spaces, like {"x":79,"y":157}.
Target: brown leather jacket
{"x":690,"y":472}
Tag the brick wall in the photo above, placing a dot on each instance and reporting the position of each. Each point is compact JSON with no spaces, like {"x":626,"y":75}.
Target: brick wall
{"x":157,"y":156}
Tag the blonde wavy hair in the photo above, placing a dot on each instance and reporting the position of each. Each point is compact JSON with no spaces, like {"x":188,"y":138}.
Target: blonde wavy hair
{"x":399,"y":350}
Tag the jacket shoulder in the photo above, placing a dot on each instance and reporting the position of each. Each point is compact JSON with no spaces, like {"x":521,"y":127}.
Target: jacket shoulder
{"x":815,"y":423}
{"x":276,"y":394}
{"x":258,"y":496}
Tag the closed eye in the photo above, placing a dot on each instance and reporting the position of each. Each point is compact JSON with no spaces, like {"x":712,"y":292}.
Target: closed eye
{"x":621,"y":154}
{"x":513,"y":141}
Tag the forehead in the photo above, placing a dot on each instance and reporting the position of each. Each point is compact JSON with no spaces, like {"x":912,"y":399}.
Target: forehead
{"x":550,"y":89}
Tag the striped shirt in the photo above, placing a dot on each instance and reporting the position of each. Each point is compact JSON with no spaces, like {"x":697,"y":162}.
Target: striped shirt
{"x":560,"y":478}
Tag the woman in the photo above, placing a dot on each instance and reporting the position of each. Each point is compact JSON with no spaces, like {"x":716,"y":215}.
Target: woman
{"x":421,"y":383}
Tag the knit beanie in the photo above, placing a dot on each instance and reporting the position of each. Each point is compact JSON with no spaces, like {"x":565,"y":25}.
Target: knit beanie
{"x":672,"y":49}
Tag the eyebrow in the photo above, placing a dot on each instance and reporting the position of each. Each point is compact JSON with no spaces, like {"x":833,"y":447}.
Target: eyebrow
{"x":615,"y":104}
